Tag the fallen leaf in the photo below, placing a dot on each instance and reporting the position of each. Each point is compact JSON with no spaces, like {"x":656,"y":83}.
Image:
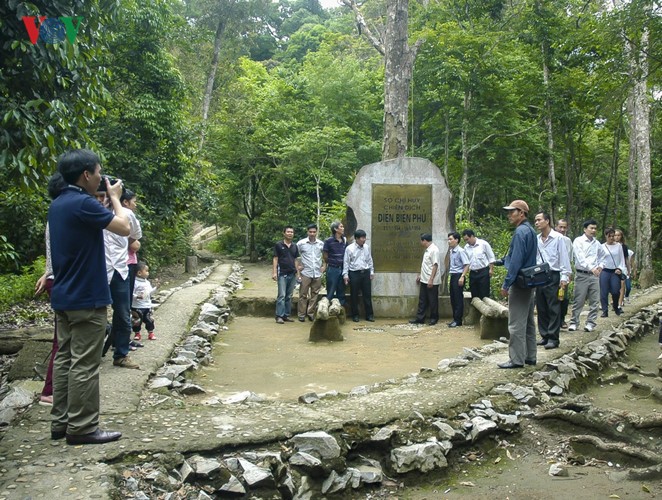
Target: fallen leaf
{"x":614,"y":496}
{"x":497,"y":460}
{"x":467,"y":483}
{"x":645,"y":488}
{"x":509,"y":455}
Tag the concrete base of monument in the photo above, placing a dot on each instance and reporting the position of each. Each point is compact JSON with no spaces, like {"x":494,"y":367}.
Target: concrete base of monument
{"x":384,"y":307}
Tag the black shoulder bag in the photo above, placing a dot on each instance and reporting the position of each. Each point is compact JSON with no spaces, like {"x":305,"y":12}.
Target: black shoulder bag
{"x":534,"y":276}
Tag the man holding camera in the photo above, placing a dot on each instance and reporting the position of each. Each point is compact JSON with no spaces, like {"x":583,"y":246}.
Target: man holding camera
{"x":80,"y":295}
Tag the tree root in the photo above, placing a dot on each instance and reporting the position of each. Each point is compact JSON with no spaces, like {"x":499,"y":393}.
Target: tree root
{"x":621,"y":448}
{"x":653,"y":392}
{"x":652,"y":422}
{"x":652,"y":472}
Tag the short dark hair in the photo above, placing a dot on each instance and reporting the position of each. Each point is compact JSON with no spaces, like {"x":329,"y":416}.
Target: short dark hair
{"x":359,"y":233}
{"x":311,"y":226}
{"x":546,"y":216}
{"x":127,"y":195}
{"x":56,"y":184}
{"x":455,"y":235}
{"x":334,"y":226}
{"x":468,"y":232}
{"x":141,"y":266}
{"x":288,"y":227}
{"x":609,"y":230}
{"x":589,"y":222}
{"x":426,"y":237}
{"x":73,"y":163}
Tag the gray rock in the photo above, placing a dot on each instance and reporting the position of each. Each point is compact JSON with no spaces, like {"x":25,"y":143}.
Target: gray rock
{"x":423,"y":457}
{"x":131,"y":484}
{"x":447,"y":432}
{"x":204,"y":467}
{"x":203,"y":496}
{"x":306,"y":491}
{"x":241,"y":397}
{"x":140,"y":495}
{"x":481,"y":427}
{"x":309,"y":398}
{"x":304,"y":459}
{"x":16,"y":399}
{"x":171,"y":371}
{"x":360,"y":390}
{"x":558,"y":470}
{"x":159,"y":382}
{"x":317,"y":443}
{"x":336,"y":483}
{"x":384,"y":434}
{"x":182,"y":353}
{"x":233,"y":486}
{"x":256,"y":477}
{"x":209,"y":313}
{"x":191,"y":389}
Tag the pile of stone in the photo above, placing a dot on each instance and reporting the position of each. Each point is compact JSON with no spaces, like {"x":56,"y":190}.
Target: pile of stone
{"x":160,"y":296}
{"x":195,"y":350}
{"x":317,"y":463}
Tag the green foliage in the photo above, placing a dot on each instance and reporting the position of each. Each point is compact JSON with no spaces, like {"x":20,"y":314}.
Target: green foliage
{"x":50,"y":94}
{"x":19,"y":287}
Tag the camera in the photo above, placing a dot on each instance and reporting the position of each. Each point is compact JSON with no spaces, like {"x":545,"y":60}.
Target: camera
{"x":498,"y":262}
{"x":102,"y":184}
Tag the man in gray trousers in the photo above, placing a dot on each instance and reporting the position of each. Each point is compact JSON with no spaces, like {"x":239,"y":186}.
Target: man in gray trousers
{"x":521,"y":254}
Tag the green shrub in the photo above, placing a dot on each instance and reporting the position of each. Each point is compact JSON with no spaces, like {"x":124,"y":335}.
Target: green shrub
{"x":15,"y":288}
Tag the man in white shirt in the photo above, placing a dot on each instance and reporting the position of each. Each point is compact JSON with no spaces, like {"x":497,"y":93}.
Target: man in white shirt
{"x":358,"y":272}
{"x":552,"y":249}
{"x":481,"y":264}
{"x":428,"y":280}
{"x":312,"y":267}
{"x":588,"y":254}
{"x":562,"y":228}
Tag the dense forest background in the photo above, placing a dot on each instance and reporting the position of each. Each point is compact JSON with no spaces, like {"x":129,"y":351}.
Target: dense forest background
{"x":248,"y":114}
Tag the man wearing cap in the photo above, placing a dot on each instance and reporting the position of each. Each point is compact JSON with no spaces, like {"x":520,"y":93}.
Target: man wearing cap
{"x":589,"y":253}
{"x":428,"y":280}
{"x":521,"y":254}
{"x":481,"y":264}
{"x":553,"y":250}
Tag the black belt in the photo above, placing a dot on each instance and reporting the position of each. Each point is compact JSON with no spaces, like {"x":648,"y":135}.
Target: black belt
{"x":478,"y":270}
{"x":583,"y":272}
{"x":361,"y":271}
{"x":336,"y":267}
{"x":609,"y":270}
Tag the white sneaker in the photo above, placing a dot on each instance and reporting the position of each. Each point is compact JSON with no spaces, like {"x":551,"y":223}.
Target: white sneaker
{"x":572,"y":327}
{"x":589,"y":327}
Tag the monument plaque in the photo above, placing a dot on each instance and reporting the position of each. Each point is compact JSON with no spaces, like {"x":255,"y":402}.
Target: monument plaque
{"x":400,"y":214}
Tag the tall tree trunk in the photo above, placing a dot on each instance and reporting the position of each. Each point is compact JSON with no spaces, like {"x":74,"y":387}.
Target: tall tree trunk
{"x":398,"y":68}
{"x":211,"y":77}
{"x":447,"y":133}
{"x":399,"y":60}
{"x":464,"y":182}
{"x":642,"y":113}
{"x":550,"y":131}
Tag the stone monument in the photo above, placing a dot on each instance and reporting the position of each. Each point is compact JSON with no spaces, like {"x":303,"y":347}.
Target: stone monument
{"x":395,"y":201}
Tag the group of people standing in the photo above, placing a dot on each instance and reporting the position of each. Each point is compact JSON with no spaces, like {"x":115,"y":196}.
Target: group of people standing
{"x":600,"y":271}
{"x":307,"y":260}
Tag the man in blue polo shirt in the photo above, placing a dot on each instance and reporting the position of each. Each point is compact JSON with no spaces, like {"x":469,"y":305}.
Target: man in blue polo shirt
{"x":80,"y":295}
{"x":334,"y":253}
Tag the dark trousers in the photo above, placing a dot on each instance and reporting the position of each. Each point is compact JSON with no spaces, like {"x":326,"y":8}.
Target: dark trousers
{"x":479,"y":283}
{"x":140,"y":316}
{"x":359,"y":281}
{"x":549,"y":309}
{"x":610,"y":284}
{"x":121,"y":332}
{"x":457,"y":298}
{"x":564,"y":305}
{"x":428,"y":297}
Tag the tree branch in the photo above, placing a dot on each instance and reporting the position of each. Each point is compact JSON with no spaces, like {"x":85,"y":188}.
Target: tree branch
{"x":376,"y":42}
